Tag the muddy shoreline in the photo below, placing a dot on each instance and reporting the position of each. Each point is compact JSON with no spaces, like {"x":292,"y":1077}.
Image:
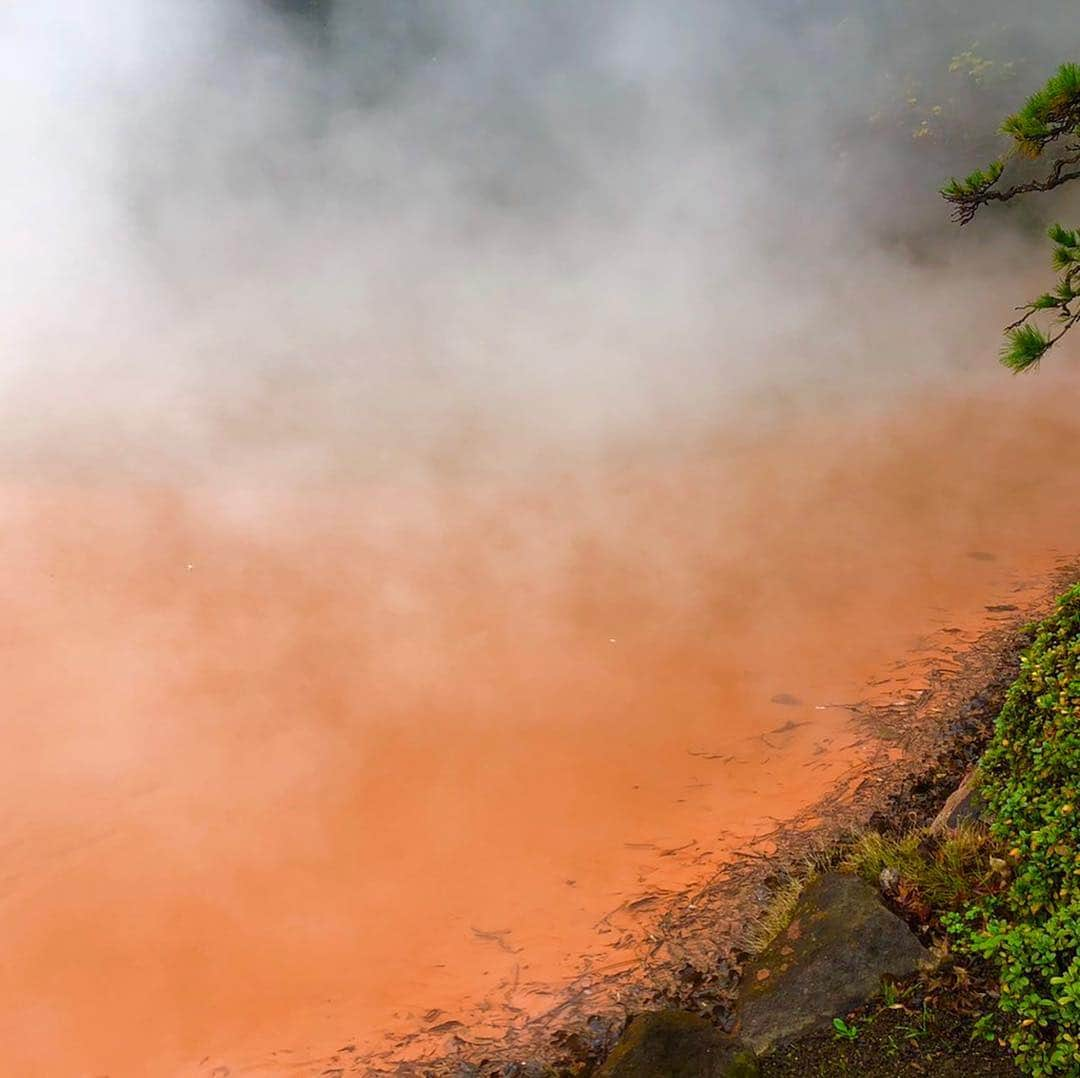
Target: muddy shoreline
{"x":921,"y":746}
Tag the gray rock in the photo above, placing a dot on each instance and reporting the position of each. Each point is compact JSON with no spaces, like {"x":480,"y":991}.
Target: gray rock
{"x":677,"y":1044}
{"x":841,"y":943}
{"x":889,"y":882}
{"x":964,"y":805}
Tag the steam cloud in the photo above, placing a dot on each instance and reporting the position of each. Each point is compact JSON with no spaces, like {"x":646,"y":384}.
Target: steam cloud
{"x":405,"y":232}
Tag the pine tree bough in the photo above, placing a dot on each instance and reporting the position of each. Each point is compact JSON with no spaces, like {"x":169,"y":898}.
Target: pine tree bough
{"x":968,"y":196}
{"x":1048,"y":117}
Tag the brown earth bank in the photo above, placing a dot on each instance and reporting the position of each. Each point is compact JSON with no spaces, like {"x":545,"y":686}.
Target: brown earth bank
{"x":920,"y":1038}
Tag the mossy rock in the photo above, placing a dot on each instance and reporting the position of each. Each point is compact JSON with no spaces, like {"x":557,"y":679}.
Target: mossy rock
{"x":840,"y":945}
{"x":676,"y":1044}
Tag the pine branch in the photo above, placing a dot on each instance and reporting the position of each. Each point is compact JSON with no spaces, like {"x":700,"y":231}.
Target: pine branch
{"x":1025,"y":343}
{"x":968,"y":198}
{"x":1049,"y":115}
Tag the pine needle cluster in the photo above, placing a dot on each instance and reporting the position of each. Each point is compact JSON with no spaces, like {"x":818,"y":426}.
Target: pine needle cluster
{"x":1048,"y":114}
{"x":982,"y":179}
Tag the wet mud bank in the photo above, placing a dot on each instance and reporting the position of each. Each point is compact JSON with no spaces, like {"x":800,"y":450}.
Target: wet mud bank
{"x":697,"y":958}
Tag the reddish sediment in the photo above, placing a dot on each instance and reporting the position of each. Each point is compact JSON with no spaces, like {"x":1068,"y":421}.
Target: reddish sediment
{"x":383,"y":765}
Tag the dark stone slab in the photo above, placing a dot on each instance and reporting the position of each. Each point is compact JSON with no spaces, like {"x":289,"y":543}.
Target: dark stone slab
{"x":841,"y":943}
{"x":676,"y":1044}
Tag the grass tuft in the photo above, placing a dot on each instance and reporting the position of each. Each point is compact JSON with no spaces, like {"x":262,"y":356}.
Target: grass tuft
{"x":775,"y":917}
{"x":944,"y":871}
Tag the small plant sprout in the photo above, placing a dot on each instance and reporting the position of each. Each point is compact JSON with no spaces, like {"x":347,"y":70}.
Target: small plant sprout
{"x":844,"y":1032}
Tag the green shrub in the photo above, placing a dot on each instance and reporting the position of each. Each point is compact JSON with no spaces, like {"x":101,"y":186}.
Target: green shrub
{"x":1031,"y":929}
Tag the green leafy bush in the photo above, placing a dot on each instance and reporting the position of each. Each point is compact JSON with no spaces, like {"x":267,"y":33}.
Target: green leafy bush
{"x":1031,"y":929}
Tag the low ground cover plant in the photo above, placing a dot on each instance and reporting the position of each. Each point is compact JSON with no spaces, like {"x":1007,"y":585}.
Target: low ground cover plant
{"x":1030,"y":928}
